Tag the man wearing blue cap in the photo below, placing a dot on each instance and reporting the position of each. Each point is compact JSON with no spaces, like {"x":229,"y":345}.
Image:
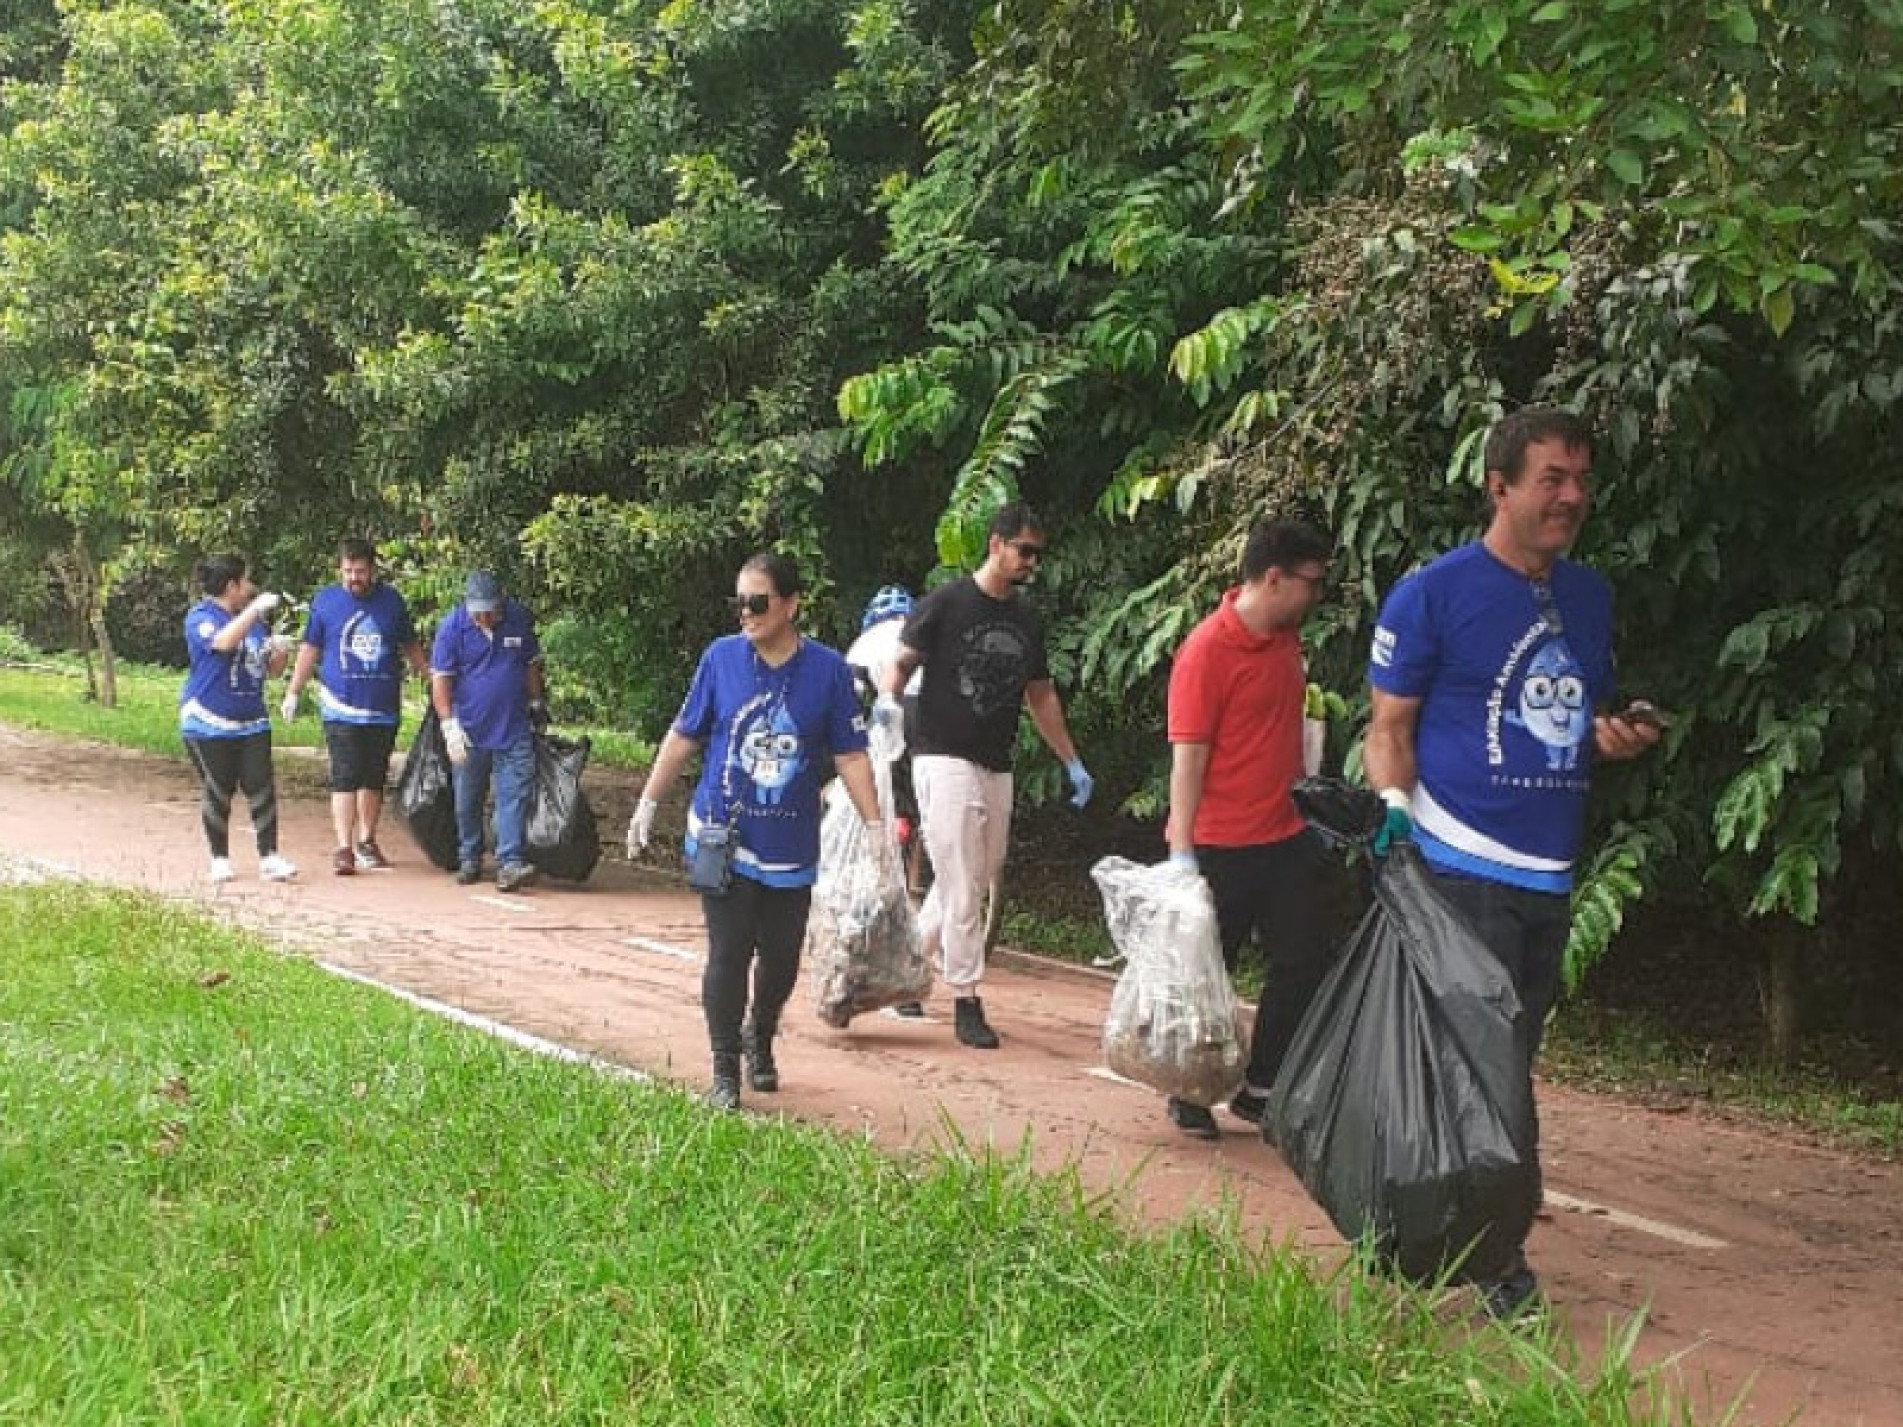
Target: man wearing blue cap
{"x":486,"y":684}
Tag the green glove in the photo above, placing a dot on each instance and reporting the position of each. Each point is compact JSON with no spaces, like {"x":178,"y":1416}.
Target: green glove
{"x":1397,"y":825}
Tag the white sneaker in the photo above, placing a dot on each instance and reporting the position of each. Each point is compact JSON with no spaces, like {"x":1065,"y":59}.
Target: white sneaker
{"x":276,"y":869}
{"x":221,"y":870}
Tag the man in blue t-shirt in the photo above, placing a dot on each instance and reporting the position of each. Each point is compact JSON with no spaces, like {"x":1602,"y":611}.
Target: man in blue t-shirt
{"x":486,"y":686}
{"x":357,"y":639}
{"x":1492,"y":670}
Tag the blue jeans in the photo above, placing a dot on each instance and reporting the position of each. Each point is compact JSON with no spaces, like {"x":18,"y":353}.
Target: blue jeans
{"x":514,"y":773}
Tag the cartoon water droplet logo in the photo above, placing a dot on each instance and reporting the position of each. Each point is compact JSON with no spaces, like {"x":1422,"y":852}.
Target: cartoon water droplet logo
{"x":363,"y":641}
{"x":770,"y":755}
{"x":1553,"y":705}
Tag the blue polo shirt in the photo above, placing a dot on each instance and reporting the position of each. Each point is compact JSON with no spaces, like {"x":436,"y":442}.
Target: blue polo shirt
{"x":491,"y":669}
{"x":768,"y":737}
{"x":223,"y":695}
{"x":1504,"y":739}
{"x":360,"y":644}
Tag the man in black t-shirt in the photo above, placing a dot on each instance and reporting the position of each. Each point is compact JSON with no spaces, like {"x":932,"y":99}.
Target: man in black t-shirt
{"x":982,"y":648}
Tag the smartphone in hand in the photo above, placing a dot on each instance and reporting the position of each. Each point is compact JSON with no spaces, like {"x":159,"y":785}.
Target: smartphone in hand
{"x":1646,"y":712}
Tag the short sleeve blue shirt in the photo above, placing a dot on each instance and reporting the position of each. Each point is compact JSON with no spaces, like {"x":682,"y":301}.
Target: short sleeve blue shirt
{"x":360,"y":644}
{"x":1509,"y":674}
{"x":223,"y":695}
{"x":769,"y":736}
{"x":491,"y":669}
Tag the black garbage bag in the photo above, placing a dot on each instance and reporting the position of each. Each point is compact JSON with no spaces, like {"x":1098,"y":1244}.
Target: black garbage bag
{"x":426,"y":797}
{"x":1406,"y":1101}
{"x":563,"y":839}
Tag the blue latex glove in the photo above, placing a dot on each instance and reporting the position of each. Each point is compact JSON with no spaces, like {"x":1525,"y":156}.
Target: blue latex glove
{"x":1185,"y":861}
{"x":1397,"y":825}
{"x":1082,"y":785}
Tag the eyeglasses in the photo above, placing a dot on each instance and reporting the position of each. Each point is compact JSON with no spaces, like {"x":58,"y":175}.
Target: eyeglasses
{"x":755,"y":604}
{"x":1314,"y":582}
{"x":1549,"y":608}
{"x":1027,"y":549}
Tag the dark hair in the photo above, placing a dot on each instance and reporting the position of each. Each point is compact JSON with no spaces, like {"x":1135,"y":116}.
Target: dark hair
{"x":1014,"y":516}
{"x":780,"y":571}
{"x":1512,"y":434}
{"x":1282,"y":545}
{"x":356,"y":548}
{"x":215,"y":573}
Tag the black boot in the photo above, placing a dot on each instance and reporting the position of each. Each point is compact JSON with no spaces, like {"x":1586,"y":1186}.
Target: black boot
{"x":762,"y":1074}
{"x":970,"y":1024}
{"x":724,"y":1093}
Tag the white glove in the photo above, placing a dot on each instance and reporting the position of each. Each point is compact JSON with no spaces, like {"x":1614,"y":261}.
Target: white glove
{"x":289,"y":707}
{"x":886,"y":737}
{"x":264,"y":602}
{"x":1185,"y":861}
{"x":641,"y":827}
{"x":456,"y":741}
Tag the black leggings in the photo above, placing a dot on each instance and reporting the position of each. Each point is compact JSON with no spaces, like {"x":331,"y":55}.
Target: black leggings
{"x":758,"y":929}
{"x":224,"y":766}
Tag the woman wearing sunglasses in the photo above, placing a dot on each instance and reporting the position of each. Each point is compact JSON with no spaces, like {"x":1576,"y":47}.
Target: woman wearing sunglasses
{"x":775,"y":716}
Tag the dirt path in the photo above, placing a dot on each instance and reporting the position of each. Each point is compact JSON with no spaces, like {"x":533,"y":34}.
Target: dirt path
{"x":1768,"y":1267}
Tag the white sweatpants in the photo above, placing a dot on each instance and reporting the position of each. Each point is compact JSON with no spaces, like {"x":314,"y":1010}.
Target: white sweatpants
{"x":966,"y":812}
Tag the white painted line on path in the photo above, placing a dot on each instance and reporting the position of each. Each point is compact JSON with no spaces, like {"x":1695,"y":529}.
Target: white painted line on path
{"x":27,"y":870}
{"x":1625,"y":1219}
{"x":500,"y":1030}
{"x":891,"y":1013}
{"x":661,"y":948}
{"x":508,"y":904}
{"x":1690,"y":1238}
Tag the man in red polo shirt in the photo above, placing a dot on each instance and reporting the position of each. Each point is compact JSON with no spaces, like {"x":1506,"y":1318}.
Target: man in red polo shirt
{"x":1235,"y":728}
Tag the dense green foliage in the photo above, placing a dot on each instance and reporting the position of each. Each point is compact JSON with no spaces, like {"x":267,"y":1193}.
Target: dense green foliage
{"x":610,"y":295}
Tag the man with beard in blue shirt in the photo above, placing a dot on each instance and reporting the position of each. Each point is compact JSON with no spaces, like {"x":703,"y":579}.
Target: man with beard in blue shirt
{"x":357,"y":639}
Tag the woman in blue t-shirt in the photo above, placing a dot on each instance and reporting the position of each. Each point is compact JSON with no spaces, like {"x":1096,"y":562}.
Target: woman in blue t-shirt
{"x":775,"y":715}
{"x":221,"y":710}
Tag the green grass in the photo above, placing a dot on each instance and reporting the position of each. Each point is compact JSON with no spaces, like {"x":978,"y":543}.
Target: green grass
{"x":1635,"y":1059}
{"x":48,"y":692}
{"x":52,"y":696}
{"x":234,"y":1189}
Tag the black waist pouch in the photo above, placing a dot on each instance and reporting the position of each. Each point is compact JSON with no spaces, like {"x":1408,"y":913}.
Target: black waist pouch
{"x":710,"y":869}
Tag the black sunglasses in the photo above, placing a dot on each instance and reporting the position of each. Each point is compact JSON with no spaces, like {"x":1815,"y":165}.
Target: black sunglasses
{"x":751,"y":604}
{"x":1027,"y":549}
{"x":1549,"y":608}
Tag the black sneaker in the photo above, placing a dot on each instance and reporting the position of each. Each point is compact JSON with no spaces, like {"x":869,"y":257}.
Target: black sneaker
{"x":515,"y":876}
{"x":970,"y":1024}
{"x":1514,"y":1297}
{"x":763,"y":1073}
{"x":1193,"y":1120}
{"x":469,"y":874}
{"x":910,"y":1010}
{"x":1249,"y":1104}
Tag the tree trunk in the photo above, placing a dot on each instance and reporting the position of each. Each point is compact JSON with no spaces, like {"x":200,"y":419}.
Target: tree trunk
{"x":79,"y":573}
{"x":1781,"y":991}
{"x":108,"y":661}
